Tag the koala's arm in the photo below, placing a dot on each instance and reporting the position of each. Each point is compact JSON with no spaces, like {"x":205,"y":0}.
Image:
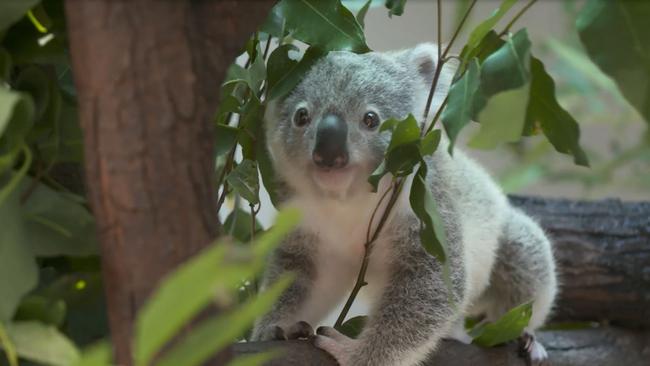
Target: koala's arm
{"x":296,"y":255}
{"x":415,"y":310}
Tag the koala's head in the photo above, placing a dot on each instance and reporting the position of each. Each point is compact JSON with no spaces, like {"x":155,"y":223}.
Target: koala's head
{"x":324,"y":136}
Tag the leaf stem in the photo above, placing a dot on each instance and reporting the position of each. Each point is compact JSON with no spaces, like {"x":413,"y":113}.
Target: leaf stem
{"x":8,"y":347}
{"x":395,"y":189}
{"x":514,"y":20}
{"x":459,"y":28}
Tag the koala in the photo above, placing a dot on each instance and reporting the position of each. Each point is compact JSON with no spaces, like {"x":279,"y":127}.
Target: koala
{"x":324,"y":142}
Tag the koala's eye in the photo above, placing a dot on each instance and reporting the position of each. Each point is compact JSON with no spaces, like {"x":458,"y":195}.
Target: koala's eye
{"x":371,"y":120}
{"x":301,"y":118}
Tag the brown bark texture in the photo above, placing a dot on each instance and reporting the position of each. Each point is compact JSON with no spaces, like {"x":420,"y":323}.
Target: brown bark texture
{"x":603,"y":255}
{"x":148,"y":75}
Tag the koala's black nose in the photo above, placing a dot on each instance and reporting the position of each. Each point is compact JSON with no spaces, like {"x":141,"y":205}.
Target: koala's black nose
{"x":331,"y":150}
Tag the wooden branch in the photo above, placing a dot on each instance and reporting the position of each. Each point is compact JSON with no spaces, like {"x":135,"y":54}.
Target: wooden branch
{"x":588,"y":347}
{"x":148,"y":75}
{"x":603,"y":252}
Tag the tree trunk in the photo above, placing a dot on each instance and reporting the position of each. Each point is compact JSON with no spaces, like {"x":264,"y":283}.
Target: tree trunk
{"x":603,"y":254}
{"x":148,"y":75}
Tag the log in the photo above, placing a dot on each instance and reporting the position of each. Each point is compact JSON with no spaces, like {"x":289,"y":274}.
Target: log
{"x":603,"y":254}
{"x":147,"y":75}
{"x":588,"y":347}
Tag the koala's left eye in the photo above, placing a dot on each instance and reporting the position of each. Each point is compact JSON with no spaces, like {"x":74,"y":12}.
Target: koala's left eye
{"x":371,"y":120}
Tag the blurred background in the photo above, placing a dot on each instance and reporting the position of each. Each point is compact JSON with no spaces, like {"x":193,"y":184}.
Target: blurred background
{"x":614,"y":135}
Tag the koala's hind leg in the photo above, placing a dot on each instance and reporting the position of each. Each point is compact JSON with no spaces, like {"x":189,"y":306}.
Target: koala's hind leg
{"x":524,"y":271}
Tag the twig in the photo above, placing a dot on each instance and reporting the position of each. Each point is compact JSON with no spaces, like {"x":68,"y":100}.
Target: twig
{"x":458,"y":29}
{"x":514,"y":20}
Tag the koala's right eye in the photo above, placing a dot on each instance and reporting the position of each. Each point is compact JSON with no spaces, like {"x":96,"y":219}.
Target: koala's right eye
{"x":301,"y":118}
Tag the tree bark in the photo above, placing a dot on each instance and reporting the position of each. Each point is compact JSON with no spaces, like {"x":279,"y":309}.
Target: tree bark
{"x":587,"y":347}
{"x":148,"y":75}
{"x":603,"y":255}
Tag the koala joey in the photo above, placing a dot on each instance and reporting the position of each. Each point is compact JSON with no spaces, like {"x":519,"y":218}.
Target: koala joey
{"x":324,"y":142}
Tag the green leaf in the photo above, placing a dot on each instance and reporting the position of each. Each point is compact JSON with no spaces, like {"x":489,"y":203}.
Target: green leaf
{"x":403,"y":151}
{"x":238,"y":225}
{"x":508,"y":327}
{"x":377,"y":174}
{"x":503,"y":93}
{"x":353,"y":326}
{"x":265,"y":165}
{"x":460,"y":106}
{"x":214,"y":334}
{"x":43,"y":309}
{"x":285,"y":73}
{"x":486,"y":26}
{"x":99,"y":354}
{"x":361,"y":14}
{"x":55,"y":224}
{"x":503,"y":119}
{"x":42,"y":343}
{"x":326,"y":24}
{"x":16,"y":117}
{"x":226,"y":139}
{"x":616,"y":36}
{"x":250,"y":125}
{"x":395,"y":7}
{"x":252,"y":77}
{"x":430,"y":142}
{"x":8,"y":347}
{"x":5,"y":65}
{"x":18,"y":270}
{"x":217,"y":270}
{"x":432,"y":234}
{"x":544,"y":110}
{"x":244,"y":180}
{"x":12,"y":10}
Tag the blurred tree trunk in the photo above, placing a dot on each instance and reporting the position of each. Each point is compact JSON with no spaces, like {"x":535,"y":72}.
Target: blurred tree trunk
{"x":148,"y":75}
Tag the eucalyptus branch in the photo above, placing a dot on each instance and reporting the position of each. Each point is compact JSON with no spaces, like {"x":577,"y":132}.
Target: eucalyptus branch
{"x":395,"y":189}
{"x":514,"y":20}
{"x":398,"y":184}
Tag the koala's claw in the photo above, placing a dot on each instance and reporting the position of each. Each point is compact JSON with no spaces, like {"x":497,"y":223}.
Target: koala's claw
{"x":298,"y":330}
{"x":533,"y":351}
{"x":338,"y":345}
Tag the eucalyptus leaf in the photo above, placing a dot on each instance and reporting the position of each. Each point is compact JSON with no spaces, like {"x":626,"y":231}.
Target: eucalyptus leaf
{"x":218,"y":269}
{"x":42,"y":343}
{"x":395,"y":7}
{"x":353,"y":326}
{"x":5,"y":65}
{"x":18,"y":270}
{"x":16,"y":117}
{"x":226,"y":139}
{"x":238,"y":225}
{"x":483,"y":28}
{"x":212,"y":335}
{"x":616,"y":35}
{"x":433,"y":236}
{"x":430,"y":142}
{"x":558,"y":125}
{"x":257,"y":359}
{"x":12,"y":11}
{"x":508,"y":327}
{"x":361,"y":14}
{"x":460,"y":106}
{"x":244,"y":180}
{"x":285,"y":73}
{"x":377,"y":174}
{"x":54,"y":224}
{"x":42,"y":309}
{"x":326,"y":24}
{"x":99,"y":354}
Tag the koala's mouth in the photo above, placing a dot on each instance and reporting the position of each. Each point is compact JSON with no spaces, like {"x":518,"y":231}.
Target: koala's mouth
{"x":334,"y":179}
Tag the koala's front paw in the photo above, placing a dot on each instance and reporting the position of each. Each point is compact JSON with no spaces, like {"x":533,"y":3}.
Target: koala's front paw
{"x":533,"y":351}
{"x":298,"y":330}
{"x":340,"y":346}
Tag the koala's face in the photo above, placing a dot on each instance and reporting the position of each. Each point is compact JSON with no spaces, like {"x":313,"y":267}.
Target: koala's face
{"x":324,"y":136}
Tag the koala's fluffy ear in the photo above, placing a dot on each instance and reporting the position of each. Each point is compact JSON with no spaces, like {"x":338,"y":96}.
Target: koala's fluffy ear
{"x":424,"y":58}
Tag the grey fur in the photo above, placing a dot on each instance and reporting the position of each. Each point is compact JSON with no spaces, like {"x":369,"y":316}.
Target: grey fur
{"x":498,"y":257}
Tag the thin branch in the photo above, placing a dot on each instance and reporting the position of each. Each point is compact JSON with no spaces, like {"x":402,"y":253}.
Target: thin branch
{"x":514,"y":20}
{"x":360,"y":282}
{"x":459,"y":28}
